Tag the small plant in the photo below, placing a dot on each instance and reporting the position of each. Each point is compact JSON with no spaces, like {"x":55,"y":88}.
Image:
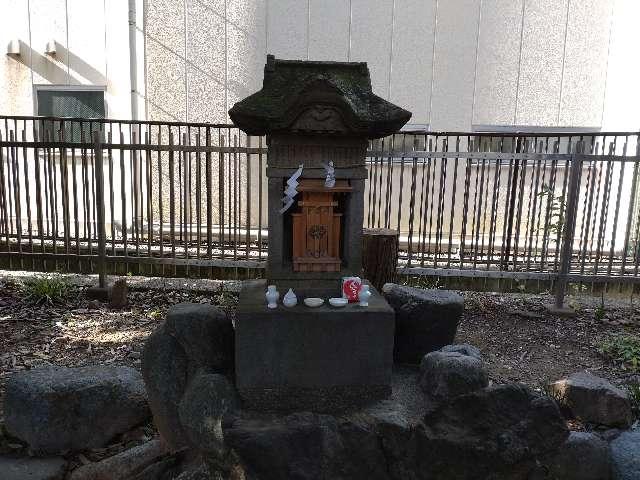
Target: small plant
{"x":425,"y":282}
{"x":224,"y":298}
{"x":46,"y":289}
{"x":600,"y":310}
{"x":633,"y":391}
{"x":556,"y":206}
{"x":623,"y":350}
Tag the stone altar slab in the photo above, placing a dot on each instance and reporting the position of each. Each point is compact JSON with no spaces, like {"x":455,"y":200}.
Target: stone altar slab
{"x":322,"y":359}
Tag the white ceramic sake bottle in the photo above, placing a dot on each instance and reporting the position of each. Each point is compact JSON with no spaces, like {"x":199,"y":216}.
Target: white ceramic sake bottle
{"x":364,"y":295}
{"x":290,"y":299}
{"x":272,"y":296}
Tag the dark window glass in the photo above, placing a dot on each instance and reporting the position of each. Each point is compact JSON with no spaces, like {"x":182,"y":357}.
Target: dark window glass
{"x":70,"y":103}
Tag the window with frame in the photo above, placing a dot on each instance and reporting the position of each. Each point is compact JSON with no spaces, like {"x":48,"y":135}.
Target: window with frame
{"x":85,"y":103}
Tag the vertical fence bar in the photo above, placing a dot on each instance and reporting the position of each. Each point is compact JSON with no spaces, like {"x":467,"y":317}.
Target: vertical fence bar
{"x":16,"y":191}
{"x":209,"y":193}
{"x":3,"y":206}
{"x":102,"y":235}
{"x":248,"y":207}
{"x":632,"y":207}
{"x":261,"y":178}
{"x":566,"y":251}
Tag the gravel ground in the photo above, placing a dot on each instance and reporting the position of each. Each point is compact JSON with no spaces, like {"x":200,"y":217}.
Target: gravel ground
{"x":520,"y":341}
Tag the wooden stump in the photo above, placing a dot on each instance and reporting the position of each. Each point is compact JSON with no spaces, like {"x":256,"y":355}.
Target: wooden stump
{"x":379,"y":255}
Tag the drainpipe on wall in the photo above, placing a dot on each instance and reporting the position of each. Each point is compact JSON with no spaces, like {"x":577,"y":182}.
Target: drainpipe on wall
{"x":133,"y":68}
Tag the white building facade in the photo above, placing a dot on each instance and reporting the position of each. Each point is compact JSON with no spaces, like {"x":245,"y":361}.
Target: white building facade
{"x":458,"y":65}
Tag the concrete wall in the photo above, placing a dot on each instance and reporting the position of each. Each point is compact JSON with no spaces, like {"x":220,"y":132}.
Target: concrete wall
{"x":456,"y":64}
{"x":92,"y":48}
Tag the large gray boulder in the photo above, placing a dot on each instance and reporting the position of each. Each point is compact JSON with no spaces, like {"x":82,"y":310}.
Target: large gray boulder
{"x":21,"y":468}
{"x":496,"y":433}
{"x":625,"y":456}
{"x":59,"y":409}
{"x":306,"y":446}
{"x":593,"y":400}
{"x":426,"y":320}
{"x":450,"y":372}
{"x":584,"y":456}
{"x":194,"y":338}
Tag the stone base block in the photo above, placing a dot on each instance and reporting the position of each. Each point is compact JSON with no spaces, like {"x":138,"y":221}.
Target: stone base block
{"x":322,"y":359}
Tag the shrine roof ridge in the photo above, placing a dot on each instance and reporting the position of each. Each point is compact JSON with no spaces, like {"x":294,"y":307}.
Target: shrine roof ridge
{"x":291,"y":87}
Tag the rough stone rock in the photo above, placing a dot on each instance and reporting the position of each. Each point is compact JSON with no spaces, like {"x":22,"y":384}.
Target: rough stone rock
{"x":395,"y":432}
{"x":496,"y":433}
{"x":207,"y":399}
{"x":594,"y":400}
{"x":463,"y":348}
{"x":119,"y":294}
{"x":193,"y":338}
{"x":199,"y":472}
{"x":625,"y":456}
{"x":584,"y":456}
{"x":205,"y":333}
{"x":123,"y":465}
{"x":487,"y":433}
{"x":446,"y":374}
{"x":307,"y":446}
{"x":426,"y":320}
{"x":58,"y":409}
{"x":14,"y":468}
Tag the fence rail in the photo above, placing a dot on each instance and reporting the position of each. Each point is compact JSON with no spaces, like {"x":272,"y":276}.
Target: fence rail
{"x":189,"y":199}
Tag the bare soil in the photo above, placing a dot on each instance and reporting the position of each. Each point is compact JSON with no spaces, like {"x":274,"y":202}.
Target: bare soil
{"x":522,"y":342}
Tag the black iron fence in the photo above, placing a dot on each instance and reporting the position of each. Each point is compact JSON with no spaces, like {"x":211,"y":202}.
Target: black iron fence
{"x":169,"y":198}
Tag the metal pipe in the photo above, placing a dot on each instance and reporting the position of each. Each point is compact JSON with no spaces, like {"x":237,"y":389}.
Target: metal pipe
{"x":133,"y":61}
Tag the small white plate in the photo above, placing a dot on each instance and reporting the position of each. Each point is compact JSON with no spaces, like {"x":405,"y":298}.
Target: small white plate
{"x":338,"y":302}
{"x":313,"y":302}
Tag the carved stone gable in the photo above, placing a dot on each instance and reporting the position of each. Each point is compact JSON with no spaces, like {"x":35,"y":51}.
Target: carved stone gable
{"x":320,"y":118}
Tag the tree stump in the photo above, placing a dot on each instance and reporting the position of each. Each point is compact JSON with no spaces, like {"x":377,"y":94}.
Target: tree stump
{"x":379,"y":255}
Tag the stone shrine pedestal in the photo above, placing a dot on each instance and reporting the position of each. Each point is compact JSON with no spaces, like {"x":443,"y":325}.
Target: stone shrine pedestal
{"x":322,"y":359}
{"x":317,"y":118}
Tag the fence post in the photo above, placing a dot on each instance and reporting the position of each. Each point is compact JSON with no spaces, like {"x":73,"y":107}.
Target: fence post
{"x":566,"y":250}
{"x":101,"y":227}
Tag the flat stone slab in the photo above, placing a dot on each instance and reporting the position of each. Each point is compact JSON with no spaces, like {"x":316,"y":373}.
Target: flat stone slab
{"x":56,"y":409}
{"x":321,"y":359}
{"x":17,"y":468}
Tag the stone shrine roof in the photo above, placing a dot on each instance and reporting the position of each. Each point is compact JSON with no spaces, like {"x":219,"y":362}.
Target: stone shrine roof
{"x":317,"y":97}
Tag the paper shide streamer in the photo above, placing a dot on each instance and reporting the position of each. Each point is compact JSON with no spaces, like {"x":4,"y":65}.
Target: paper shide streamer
{"x":290,"y":192}
{"x":330,"y":181}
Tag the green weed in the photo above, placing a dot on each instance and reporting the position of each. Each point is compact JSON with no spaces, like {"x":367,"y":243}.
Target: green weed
{"x":633,"y":390}
{"x":46,"y":289}
{"x":623,"y":350}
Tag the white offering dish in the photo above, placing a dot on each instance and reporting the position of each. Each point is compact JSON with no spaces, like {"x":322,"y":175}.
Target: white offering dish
{"x":338,"y":302}
{"x":313,"y":302}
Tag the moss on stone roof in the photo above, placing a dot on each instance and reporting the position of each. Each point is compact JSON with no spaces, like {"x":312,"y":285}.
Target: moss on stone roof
{"x":289,"y":85}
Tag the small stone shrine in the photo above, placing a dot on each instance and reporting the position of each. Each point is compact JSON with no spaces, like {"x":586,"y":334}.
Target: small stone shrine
{"x":317,"y":117}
